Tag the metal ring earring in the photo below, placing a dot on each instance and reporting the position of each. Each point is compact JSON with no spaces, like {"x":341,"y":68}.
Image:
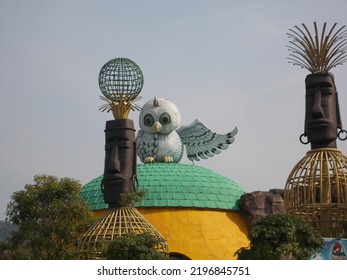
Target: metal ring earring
{"x":301,"y":137}
{"x":341,"y":132}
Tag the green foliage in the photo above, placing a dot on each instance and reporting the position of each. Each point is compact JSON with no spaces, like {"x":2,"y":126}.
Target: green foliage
{"x":131,"y":198}
{"x":6,"y":230}
{"x":4,"y":250}
{"x":344,"y":228}
{"x":281,"y":235}
{"x":134,"y":247}
{"x":50,"y":215}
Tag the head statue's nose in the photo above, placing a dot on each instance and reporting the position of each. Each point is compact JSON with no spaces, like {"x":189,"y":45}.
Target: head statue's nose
{"x":317,"y":110}
{"x":114,"y":164}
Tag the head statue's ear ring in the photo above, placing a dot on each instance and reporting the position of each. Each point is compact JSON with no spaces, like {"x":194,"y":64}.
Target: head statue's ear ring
{"x":135,"y":182}
{"x":341,"y":133}
{"x":301,"y":139}
{"x":102,"y":187}
{"x":338,"y":115}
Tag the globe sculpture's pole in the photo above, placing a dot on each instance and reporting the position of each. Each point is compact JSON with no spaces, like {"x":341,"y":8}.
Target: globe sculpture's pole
{"x":120,"y":81}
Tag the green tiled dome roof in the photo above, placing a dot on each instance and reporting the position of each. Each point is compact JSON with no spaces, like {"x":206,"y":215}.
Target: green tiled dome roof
{"x":175,"y":185}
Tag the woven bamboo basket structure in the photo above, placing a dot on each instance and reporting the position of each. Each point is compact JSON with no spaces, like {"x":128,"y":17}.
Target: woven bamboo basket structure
{"x":116,"y":222}
{"x":316,"y":189}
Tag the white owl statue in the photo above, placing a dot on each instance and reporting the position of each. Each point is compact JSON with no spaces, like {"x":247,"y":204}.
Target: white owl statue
{"x":160,"y":139}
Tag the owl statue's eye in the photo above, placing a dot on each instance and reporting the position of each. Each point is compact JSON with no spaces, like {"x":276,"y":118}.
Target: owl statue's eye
{"x":165,"y":118}
{"x":148,"y":120}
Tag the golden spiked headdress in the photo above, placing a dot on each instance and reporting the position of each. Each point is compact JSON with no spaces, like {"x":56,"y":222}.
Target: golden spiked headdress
{"x":318,"y":54}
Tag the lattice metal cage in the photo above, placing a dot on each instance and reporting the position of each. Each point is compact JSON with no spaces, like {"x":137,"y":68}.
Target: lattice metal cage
{"x":120,"y":76}
{"x":316,"y":189}
{"x":120,"y":81}
{"x":116,"y":222}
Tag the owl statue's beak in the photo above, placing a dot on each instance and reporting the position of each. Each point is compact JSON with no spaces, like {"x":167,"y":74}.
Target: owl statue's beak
{"x":157,"y":127}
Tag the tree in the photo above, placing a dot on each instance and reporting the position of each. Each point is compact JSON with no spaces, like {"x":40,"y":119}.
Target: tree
{"x":6,"y":229}
{"x":4,"y":250}
{"x":127,"y":199}
{"x":50,"y":215}
{"x":133,"y":246}
{"x":344,"y":229}
{"x":280,"y":236}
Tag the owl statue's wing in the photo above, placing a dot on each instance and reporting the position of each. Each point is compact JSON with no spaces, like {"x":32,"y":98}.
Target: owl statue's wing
{"x":203,"y":143}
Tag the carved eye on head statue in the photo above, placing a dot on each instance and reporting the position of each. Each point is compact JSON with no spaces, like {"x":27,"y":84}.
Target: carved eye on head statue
{"x":161,"y":139}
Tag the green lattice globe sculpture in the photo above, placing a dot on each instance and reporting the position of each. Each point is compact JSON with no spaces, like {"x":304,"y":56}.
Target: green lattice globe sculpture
{"x":120,"y":81}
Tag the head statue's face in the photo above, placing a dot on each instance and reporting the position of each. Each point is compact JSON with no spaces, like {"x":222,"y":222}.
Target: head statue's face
{"x":120,"y":163}
{"x":322,"y":110}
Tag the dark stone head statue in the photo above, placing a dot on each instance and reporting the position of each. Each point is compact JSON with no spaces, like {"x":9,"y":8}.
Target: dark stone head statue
{"x":120,"y":161}
{"x":319,"y":53}
{"x":322,"y":117}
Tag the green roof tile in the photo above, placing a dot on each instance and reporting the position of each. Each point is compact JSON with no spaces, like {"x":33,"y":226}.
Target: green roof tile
{"x":175,"y":185}
{"x":190,"y":196}
{"x":161,"y":202}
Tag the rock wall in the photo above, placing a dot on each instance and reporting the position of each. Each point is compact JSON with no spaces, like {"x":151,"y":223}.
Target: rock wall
{"x":259,"y":204}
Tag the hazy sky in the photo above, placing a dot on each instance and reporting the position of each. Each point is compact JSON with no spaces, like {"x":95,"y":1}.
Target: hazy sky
{"x":223,"y":62}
